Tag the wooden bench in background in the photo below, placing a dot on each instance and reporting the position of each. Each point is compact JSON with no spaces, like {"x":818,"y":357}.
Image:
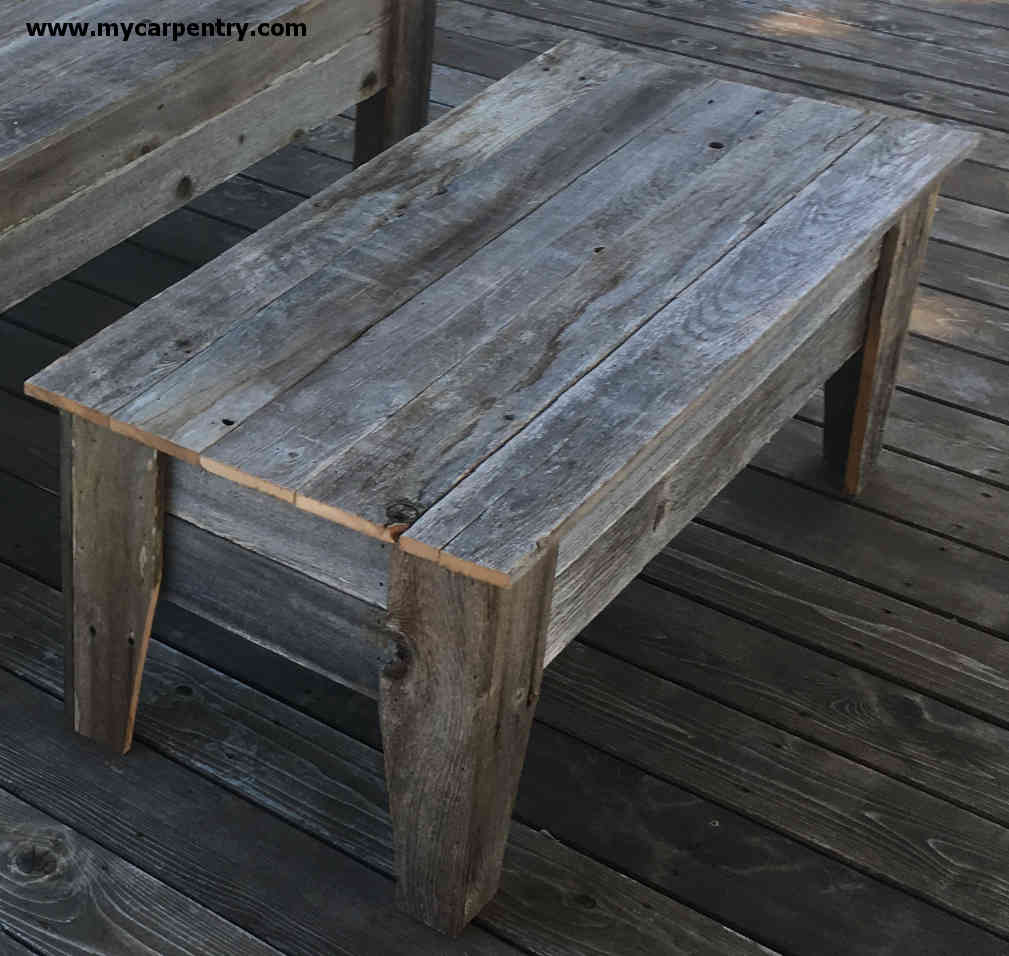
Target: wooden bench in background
{"x":99,"y":137}
{"x":444,"y":412}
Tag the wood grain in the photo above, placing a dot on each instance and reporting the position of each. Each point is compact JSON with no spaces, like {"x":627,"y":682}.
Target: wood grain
{"x":401,"y":108}
{"x":66,"y":894}
{"x":457,"y":703}
{"x":857,"y":398}
{"x":112,"y":541}
{"x":613,"y":414}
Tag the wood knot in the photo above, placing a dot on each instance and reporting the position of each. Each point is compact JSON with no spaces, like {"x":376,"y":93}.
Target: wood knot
{"x":398,"y":664}
{"x":40,"y":857}
{"x":403,"y":511}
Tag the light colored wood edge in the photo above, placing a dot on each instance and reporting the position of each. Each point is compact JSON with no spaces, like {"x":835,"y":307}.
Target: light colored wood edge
{"x":355,"y":522}
{"x":152,"y":441}
{"x":65,"y":404}
{"x":458,"y":565}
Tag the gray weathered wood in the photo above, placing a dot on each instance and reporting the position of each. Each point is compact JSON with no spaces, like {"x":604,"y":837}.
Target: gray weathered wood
{"x":113,"y":517}
{"x":857,"y":397}
{"x":63,"y":893}
{"x":128,"y":358}
{"x":612,"y":415}
{"x":69,"y":231}
{"x":457,"y":704}
{"x":615,"y":269}
{"x":83,"y":108}
{"x":401,"y":108}
{"x":593,"y":568}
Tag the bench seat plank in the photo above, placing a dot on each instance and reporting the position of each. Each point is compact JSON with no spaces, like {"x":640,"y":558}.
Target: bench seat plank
{"x":130,"y":357}
{"x":599,"y":439}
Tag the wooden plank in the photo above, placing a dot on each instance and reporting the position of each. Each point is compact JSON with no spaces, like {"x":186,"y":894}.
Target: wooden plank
{"x":62,"y":892}
{"x":966,"y":224}
{"x":29,"y":438}
{"x":979,"y":184}
{"x":100,"y":214}
{"x":250,"y":276}
{"x":789,"y":896}
{"x":612,"y":272}
{"x":949,"y":856}
{"x":893,"y":558}
{"x":187,"y":831}
{"x":593,"y":570}
{"x":456,"y":705}
{"x":333,"y":633}
{"x":67,"y":312}
{"x":609,"y":436}
{"x":331,"y":785}
{"x":940,"y":434}
{"x":964,"y":323}
{"x":877,"y":632}
{"x":962,"y":508}
{"x":857,"y":397}
{"x":968,"y":381}
{"x":967,"y":272}
{"x":323,"y":550}
{"x":953,"y":50}
{"x":113,"y":516}
{"x":993,"y":13}
{"x":86,"y":109}
{"x":246,"y":370}
{"x":514,"y":29}
{"x":902,"y":733}
{"x":402,"y":107}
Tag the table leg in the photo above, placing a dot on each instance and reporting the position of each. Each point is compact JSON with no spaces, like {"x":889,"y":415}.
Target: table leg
{"x":457,"y":705}
{"x":112,"y":559}
{"x":857,"y":396}
{"x":401,"y":107}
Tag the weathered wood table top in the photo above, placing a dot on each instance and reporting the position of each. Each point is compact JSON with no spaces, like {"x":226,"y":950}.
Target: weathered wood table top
{"x":501,"y":330}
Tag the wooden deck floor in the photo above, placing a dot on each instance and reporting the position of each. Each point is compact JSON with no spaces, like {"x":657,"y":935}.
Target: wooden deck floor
{"x":792,"y":731}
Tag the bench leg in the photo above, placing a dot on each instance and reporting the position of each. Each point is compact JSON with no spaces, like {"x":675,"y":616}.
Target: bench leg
{"x":401,"y":107}
{"x":112,"y":557}
{"x":457,"y":705}
{"x":857,"y":396}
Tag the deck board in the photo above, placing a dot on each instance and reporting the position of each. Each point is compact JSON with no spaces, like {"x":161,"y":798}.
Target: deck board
{"x":906,"y":670}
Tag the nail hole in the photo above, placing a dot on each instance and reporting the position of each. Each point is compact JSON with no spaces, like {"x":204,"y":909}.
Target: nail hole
{"x":757,"y":112}
{"x":717,"y":145}
{"x":185,"y":188}
{"x":228,"y":421}
{"x":599,"y":249}
{"x":92,"y":631}
{"x":589,"y":902}
{"x":130,"y":641}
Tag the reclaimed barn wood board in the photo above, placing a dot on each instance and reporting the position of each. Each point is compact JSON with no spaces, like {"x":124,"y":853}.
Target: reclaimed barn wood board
{"x":455,"y":726}
{"x":294,"y":247}
{"x":594,"y":569}
{"x":614,"y":282}
{"x":451,"y":233}
{"x":113,"y":542}
{"x":62,"y":97}
{"x":64,"y":893}
{"x":333,"y":786}
{"x":401,"y":108}
{"x":100,"y":214}
{"x":458,"y":523}
{"x":857,"y":396}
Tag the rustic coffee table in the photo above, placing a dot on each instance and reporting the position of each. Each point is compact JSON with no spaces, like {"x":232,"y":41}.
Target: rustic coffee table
{"x":517,"y":351}
{"x":140,"y":105}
